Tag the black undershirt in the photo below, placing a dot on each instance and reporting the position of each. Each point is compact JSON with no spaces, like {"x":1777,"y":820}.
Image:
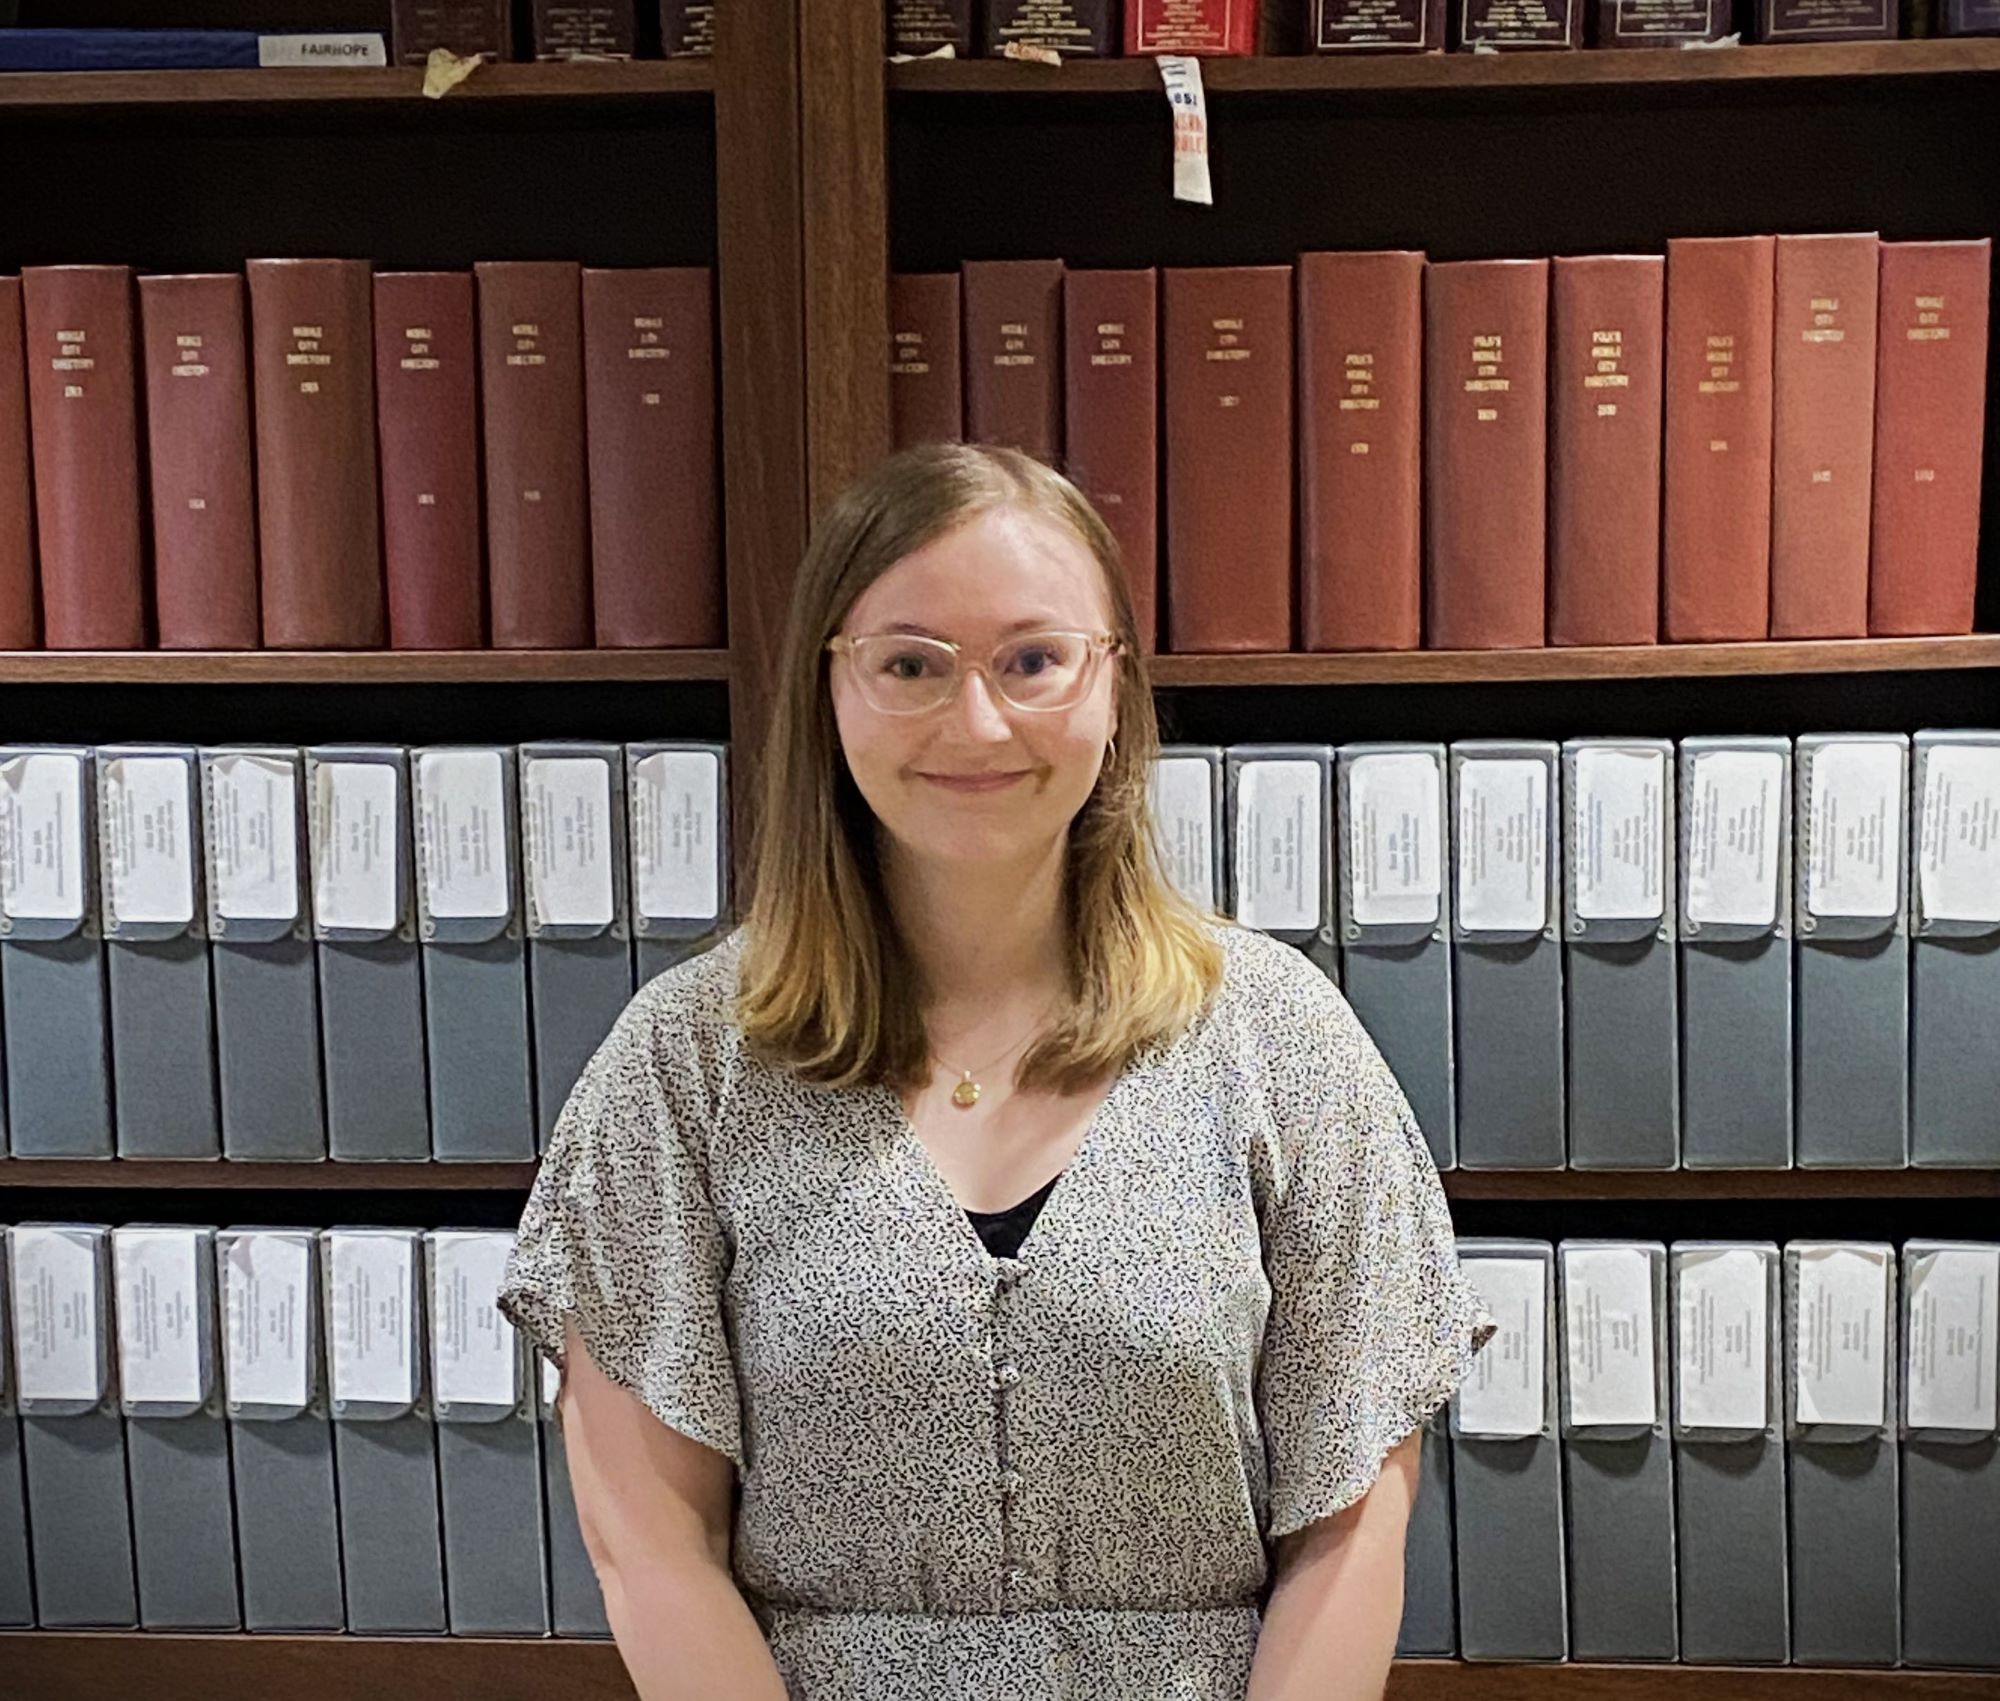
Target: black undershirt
{"x":1003,"y":1231}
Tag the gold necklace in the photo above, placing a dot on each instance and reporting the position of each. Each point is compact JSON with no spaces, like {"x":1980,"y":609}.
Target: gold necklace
{"x":966,"y":1094}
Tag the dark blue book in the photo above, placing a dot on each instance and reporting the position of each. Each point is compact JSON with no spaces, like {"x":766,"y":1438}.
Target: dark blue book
{"x":182,"y":50}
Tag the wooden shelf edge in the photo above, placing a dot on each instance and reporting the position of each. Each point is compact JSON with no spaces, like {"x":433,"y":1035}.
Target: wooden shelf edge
{"x":1451,"y":72}
{"x":1574,"y":1184}
{"x":1466,"y":1680}
{"x":358,"y":667}
{"x":1637,"y":661}
{"x":577,"y":81}
{"x":18,"y":1173}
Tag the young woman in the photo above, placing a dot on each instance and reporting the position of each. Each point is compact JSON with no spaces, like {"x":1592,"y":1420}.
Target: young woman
{"x":983,"y":1277}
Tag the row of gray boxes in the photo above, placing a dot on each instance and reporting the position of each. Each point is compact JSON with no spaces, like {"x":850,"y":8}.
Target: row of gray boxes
{"x":1734,"y":953}
{"x":279,"y":1430}
{"x":360,"y":952}
{"x":1717,"y":1453}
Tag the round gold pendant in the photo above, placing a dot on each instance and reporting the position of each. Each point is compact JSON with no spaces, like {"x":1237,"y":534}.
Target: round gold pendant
{"x":966,"y":1094}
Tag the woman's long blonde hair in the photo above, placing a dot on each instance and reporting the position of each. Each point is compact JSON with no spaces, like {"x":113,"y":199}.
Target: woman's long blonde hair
{"x":828,"y":990}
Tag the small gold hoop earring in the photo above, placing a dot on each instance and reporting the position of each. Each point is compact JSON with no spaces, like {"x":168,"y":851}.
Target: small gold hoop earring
{"x":1111,"y":752}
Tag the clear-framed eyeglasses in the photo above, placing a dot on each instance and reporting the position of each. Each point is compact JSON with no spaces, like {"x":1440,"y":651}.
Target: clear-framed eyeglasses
{"x":900,"y":673}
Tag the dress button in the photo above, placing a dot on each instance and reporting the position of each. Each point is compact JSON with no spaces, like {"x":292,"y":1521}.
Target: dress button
{"x":1012,"y":1484}
{"x":1008,"y":1374}
{"x":1014,"y":1576}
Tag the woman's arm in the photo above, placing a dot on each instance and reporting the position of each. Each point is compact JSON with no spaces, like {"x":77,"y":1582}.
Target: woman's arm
{"x":655,"y":1508}
{"x":1330,"y":1631}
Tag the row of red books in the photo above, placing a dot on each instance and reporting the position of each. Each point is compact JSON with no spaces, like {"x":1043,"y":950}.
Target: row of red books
{"x":1098,"y":28}
{"x":308,"y":439}
{"x":1752,"y":437}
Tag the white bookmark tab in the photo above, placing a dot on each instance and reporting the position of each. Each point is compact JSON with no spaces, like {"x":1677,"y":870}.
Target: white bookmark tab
{"x":1181,"y":74}
{"x":1395,"y":839}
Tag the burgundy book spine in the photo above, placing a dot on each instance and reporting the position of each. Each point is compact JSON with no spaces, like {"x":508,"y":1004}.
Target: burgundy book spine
{"x":198,"y":437}
{"x":649,"y":386}
{"x":1486,"y":474}
{"x":1191,"y":26}
{"x":83,"y":413}
{"x":319,"y":538}
{"x":17,"y":500}
{"x":1226,"y":373}
{"x":1111,"y":368}
{"x":1661,"y":23}
{"x":468,"y":28}
{"x":1716,"y":547}
{"x":427,"y":418}
{"x":1607,"y":321}
{"x":583,"y":29}
{"x":1822,"y":433}
{"x":1930,"y":431}
{"x":1361,"y":405}
{"x":537,"y":509}
{"x":926,"y":393}
{"x":1013,"y":355}
{"x":1378,"y":26}
{"x":1074,"y":28}
{"x":687,"y":28}
{"x":923,"y":26}
{"x":1827,"y":20}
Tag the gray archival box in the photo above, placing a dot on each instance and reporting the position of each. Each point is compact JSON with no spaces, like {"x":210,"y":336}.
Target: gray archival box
{"x":17,"y":1592}
{"x":677,"y":825}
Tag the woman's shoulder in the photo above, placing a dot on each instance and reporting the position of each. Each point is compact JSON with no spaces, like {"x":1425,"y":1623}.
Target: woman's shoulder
{"x":1265,"y":980}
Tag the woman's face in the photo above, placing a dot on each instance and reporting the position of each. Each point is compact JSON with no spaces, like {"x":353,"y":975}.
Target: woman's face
{"x":975,"y":779}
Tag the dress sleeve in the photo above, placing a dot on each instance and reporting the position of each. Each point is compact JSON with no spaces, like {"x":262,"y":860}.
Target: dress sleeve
{"x":620,"y":1234}
{"x":1372,"y":1325}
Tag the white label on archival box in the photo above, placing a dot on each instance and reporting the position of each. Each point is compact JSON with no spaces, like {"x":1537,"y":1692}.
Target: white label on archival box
{"x":1724,"y":1369}
{"x":57,"y":1313}
{"x":1958,"y":850}
{"x":676,"y":833}
{"x":371,"y":1354}
{"x":1184,"y":823}
{"x":1608,"y":1329}
{"x":1618,"y":850}
{"x":41,"y":837}
{"x":354,"y":850}
{"x":464,"y":833}
{"x":1503,"y":827}
{"x":1843,"y":1298}
{"x":1508,"y":1388}
{"x":253,"y":832}
{"x":566,"y":828}
{"x":1953,"y":1339}
{"x":1856,"y":799}
{"x":1395,"y":835}
{"x":1279,"y":805}
{"x":148,"y":839}
{"x":474,"y":1347}
{"x":267,"y":1310}
{"x":1735,"y":814}
{"x":159,"y":1316}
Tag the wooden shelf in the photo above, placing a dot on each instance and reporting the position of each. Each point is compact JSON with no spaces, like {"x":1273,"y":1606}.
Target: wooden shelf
{"x":357,"y":667}
{"x":1640,"y":661}
{"x":112,"y":1665}
{"x":601,"y":82}
{"x":1359,"y":73}
{"x":313,"y":1177}
{"x":1575,"y":1184}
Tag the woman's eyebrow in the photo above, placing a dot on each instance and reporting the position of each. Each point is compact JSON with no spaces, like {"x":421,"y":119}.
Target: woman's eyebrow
{"x":1034,"y":623}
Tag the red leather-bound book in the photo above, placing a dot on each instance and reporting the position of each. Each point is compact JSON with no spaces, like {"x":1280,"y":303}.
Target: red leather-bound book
{"x":1607,"y":319}
{"x":1486,"y":466}
{"x":1013,"y":355}
{"x":1226,"y":368}
{"x":926,"y":392}
{"x":319,"y":538}
{"x":1716,"y":542}
{"x":427,"y":411}
{"x":18,"y":628}
{"x":1822,"y":434}
{"x":1191,"y":26}
{"x":537,"y":508}
{"x":1930,"y":434}
{"x":649,"y":386}
{"x":83,"y":412}
{"x":198,"y":439}
{"x":1111,"y":368}
{"x":1361,"y":404}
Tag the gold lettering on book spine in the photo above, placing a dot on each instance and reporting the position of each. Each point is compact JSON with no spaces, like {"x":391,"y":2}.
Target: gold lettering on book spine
{"x":1719,"y":355}
{"x":1226,"y":348}
{"x":69,"y":357}
{"x":1605,"y":358}
{"x":1489,"y":354}
{"x":527,"y":349}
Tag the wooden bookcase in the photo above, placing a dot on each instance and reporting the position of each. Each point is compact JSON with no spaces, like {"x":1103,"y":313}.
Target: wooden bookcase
{"x":802,"y":167}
